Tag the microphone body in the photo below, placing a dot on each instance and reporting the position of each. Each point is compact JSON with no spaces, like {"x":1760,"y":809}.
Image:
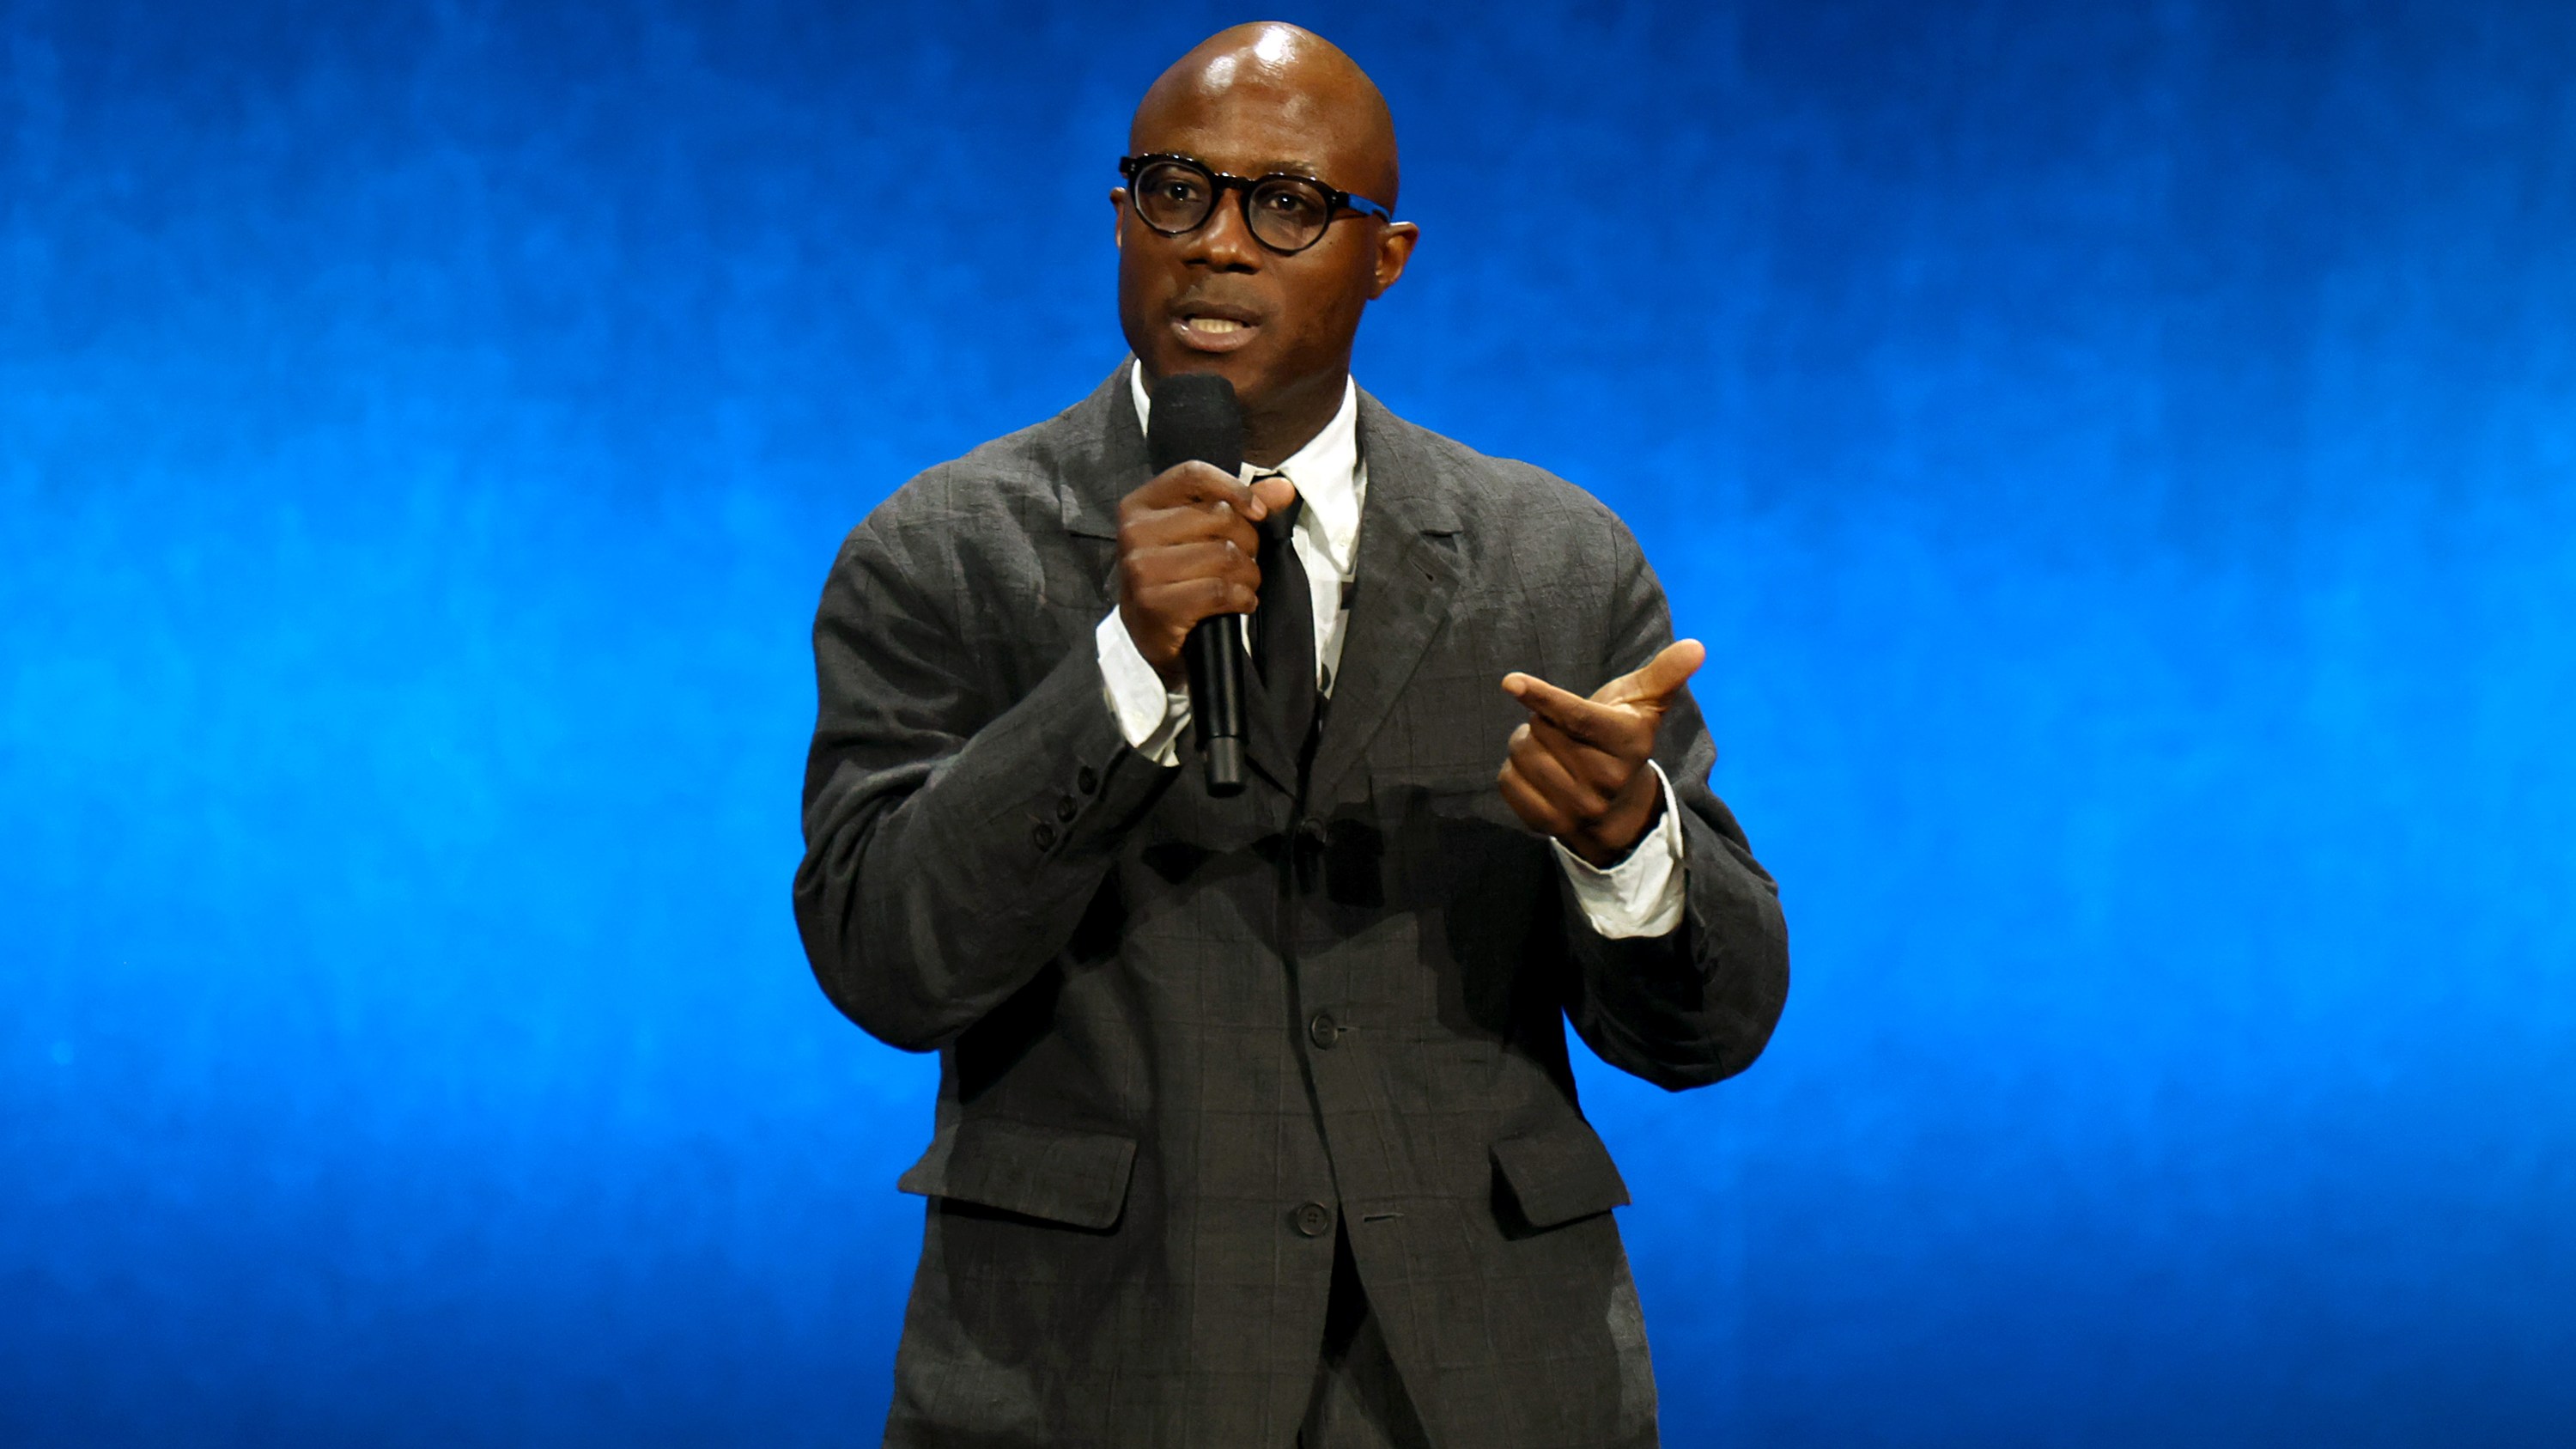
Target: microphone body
{"x":1196,"y":419}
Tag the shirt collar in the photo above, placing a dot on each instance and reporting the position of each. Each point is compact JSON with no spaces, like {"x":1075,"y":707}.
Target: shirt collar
{"x":1325,"y":471}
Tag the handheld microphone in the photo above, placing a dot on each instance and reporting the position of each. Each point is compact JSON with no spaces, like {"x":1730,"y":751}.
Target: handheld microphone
{"x":1196,"y":419}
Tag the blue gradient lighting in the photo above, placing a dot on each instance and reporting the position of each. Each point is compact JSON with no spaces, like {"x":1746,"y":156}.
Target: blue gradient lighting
{"x":2122,"y":460}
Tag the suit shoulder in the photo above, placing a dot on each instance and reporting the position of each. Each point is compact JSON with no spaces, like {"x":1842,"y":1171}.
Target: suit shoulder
{"x":1511,"y":493}
{"x":1015,"y":466}
{"x":1009,"y":484}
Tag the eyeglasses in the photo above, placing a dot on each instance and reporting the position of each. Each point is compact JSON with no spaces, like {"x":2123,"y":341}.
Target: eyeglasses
{"x":1285,"y":212}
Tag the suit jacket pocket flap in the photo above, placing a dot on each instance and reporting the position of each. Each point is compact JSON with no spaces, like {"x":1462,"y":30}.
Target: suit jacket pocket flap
{"x":1060,"y":1174}
{"x":1560,"y":1173}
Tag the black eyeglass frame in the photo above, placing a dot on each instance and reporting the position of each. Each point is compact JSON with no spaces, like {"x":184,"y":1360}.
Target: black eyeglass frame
{"x":1337,"y":202}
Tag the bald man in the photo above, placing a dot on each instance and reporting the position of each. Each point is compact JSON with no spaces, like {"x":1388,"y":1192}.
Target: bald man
{"x":1255,"y":1121}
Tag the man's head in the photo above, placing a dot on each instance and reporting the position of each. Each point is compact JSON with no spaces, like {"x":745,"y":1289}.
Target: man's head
{"x":1253,"y":101}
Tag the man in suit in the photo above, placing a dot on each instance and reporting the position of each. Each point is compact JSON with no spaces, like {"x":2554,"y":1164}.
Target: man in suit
{"x":1255,"y":1122}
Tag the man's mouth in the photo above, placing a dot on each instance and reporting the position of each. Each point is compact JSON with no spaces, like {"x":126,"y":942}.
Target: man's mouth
{"x":1207,"y":333}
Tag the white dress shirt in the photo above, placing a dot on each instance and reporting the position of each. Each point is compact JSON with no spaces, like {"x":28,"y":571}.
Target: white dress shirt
{"x":1639,"y":896}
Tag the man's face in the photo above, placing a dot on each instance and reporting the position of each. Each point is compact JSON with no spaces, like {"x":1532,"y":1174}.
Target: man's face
{"x":1216,"y":300}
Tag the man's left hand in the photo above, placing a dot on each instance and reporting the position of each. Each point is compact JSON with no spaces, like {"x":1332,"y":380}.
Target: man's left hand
{"x":1577,"y":770}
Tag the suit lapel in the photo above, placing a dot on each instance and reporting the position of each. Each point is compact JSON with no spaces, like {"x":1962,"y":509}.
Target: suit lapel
{"x":1408,"y":571}
{"x":1105,"y":458}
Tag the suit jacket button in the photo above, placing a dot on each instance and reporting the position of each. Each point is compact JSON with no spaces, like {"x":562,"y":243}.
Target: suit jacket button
{"x":1311,"y":831}
{"x":1042,"y":835}
{"x":1321,"y":1030}
{"x":1064,"y":808}
{"x":1086,"y":779}
{"x":1312,"y":1220}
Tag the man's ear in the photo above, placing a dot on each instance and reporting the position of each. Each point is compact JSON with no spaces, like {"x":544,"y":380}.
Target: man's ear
{"x":1394,"y":249}
{"x":1118,"y":217}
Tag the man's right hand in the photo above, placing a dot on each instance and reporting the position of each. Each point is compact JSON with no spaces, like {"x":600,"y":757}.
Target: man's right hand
{"x":1186,"y":546}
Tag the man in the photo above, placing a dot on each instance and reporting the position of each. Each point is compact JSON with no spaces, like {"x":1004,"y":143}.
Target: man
{"x":1255,"y":1123}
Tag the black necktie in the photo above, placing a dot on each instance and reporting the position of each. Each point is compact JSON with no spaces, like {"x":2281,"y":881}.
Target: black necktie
{"x":1283,"y":631}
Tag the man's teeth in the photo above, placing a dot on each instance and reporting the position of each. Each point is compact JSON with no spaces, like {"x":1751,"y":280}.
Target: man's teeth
{"x":1215,"y":324}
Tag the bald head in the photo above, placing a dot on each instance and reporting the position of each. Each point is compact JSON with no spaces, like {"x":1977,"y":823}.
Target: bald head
{"x":1255,"y":101}
{"x":1296,"y":78}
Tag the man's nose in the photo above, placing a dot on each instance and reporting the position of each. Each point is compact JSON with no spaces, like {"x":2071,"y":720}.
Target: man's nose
{"x":1224,"y":241}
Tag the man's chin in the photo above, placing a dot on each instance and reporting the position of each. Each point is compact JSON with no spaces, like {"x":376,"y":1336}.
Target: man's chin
{"x":1234,"y":367}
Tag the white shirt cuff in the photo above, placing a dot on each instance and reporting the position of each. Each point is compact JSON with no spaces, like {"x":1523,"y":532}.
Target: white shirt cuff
{"x":1150,"y":716}
{"x":1640,"y":896}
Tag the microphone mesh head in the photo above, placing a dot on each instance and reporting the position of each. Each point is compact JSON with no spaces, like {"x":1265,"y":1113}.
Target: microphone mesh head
{"x":1195,"y":419}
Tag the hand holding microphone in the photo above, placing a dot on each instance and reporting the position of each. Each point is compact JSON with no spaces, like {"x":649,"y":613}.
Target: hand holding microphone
{"x":1186,"y":549}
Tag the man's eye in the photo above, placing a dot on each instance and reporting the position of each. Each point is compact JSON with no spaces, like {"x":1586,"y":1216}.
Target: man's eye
{"x":1180,"y":191}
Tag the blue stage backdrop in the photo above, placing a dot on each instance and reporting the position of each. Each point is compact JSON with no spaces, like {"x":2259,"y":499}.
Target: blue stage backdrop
{"x":2122,"y":460}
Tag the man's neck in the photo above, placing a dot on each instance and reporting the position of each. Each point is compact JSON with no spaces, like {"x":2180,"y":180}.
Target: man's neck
{"x":1273,"y":434}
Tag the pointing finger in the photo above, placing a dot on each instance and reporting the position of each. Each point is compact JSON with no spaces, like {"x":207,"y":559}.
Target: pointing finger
{"x":1592,"y":723}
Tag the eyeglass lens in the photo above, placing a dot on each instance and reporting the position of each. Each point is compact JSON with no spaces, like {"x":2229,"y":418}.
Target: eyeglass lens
{"x":1287,"y":214}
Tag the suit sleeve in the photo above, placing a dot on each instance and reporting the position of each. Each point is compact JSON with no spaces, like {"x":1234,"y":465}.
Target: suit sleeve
{"x":1698,"y":1003}
{"x":954,"y":836}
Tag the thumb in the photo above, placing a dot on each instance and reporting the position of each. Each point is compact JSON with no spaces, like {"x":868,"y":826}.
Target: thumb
{"x":1659,"y":679}
{"x":1275,"y":493}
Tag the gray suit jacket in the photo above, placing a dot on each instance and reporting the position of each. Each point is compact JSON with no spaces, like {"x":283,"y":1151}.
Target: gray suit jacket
{"x":1182,"y":1038}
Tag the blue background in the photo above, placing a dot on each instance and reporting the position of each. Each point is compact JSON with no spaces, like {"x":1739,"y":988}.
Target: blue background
{"x":2122,"y":459}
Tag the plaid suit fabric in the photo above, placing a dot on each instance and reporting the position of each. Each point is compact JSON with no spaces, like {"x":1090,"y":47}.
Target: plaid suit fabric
{"x":1168,"y":1023}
